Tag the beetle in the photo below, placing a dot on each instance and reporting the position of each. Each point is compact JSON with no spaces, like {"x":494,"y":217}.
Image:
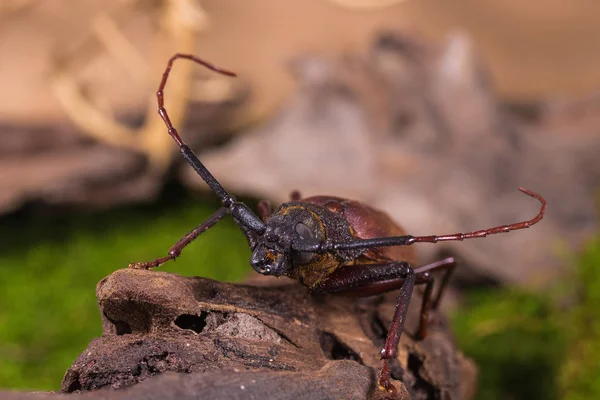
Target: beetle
{"x":329,"y":244}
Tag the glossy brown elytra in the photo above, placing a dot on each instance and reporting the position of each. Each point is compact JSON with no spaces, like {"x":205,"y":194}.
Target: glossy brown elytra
{"x":330,"y":244}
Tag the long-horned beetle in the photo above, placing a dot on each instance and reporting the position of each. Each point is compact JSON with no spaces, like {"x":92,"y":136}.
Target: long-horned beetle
{"x":329,"y":244}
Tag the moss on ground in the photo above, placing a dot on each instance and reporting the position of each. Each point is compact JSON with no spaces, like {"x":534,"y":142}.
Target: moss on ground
{"x":537,"y":345}
{"x":516,"y":341}
{"x":528,"y":345}
{"x":580,"y":376}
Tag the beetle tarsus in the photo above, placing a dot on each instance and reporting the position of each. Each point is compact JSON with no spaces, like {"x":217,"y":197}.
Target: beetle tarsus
{"x":385,"y":379}
{"x":150,"y":264}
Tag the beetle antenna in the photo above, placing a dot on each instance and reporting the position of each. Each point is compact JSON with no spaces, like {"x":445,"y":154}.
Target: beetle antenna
{"x":188,"y":154}
{"x":322,"y":247}
{"x":239,"y":211}
{"x":491,"y":231}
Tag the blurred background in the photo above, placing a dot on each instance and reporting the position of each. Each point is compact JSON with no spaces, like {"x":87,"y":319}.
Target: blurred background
{"x":432,"y":111}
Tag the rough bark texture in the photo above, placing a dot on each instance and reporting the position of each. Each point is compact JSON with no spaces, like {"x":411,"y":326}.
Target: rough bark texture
{"x":272,"y":340}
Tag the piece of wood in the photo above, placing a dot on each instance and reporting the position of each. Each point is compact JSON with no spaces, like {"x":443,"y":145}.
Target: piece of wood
{"x":276,"y":340}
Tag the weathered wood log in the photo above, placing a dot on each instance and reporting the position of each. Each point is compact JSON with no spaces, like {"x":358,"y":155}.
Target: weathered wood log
{"x":273,"y":340}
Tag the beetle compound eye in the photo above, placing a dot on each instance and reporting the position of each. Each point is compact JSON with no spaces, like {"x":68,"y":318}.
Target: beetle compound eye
{"x":305,"y":233}
{"x":303,"y":230}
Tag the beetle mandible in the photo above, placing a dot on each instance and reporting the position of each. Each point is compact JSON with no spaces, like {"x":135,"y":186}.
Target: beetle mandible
{"x":329,"y":244}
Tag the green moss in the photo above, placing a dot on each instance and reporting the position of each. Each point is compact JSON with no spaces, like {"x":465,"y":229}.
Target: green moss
{"x":580,"y":375}
{"x":50,"y":266}
{"x":537,"y":345}
{"x":516,"y":342}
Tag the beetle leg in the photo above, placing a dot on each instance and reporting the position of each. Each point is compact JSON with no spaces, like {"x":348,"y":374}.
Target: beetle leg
{"x":264,"y":209}
{"x":449,"y":264}
{"x":423,"y":275}
{"x":370,"y":279}
{"x":373,"y":279}
{"x":295,"y":195}
{"x":176,"y":249}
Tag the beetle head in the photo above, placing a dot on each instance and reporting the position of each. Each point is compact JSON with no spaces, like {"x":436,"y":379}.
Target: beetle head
{"x":273,"y":253}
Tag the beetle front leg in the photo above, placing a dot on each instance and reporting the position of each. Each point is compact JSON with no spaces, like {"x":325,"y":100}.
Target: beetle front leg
{"x":176,"y":249}
{"x":372,"y":279}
